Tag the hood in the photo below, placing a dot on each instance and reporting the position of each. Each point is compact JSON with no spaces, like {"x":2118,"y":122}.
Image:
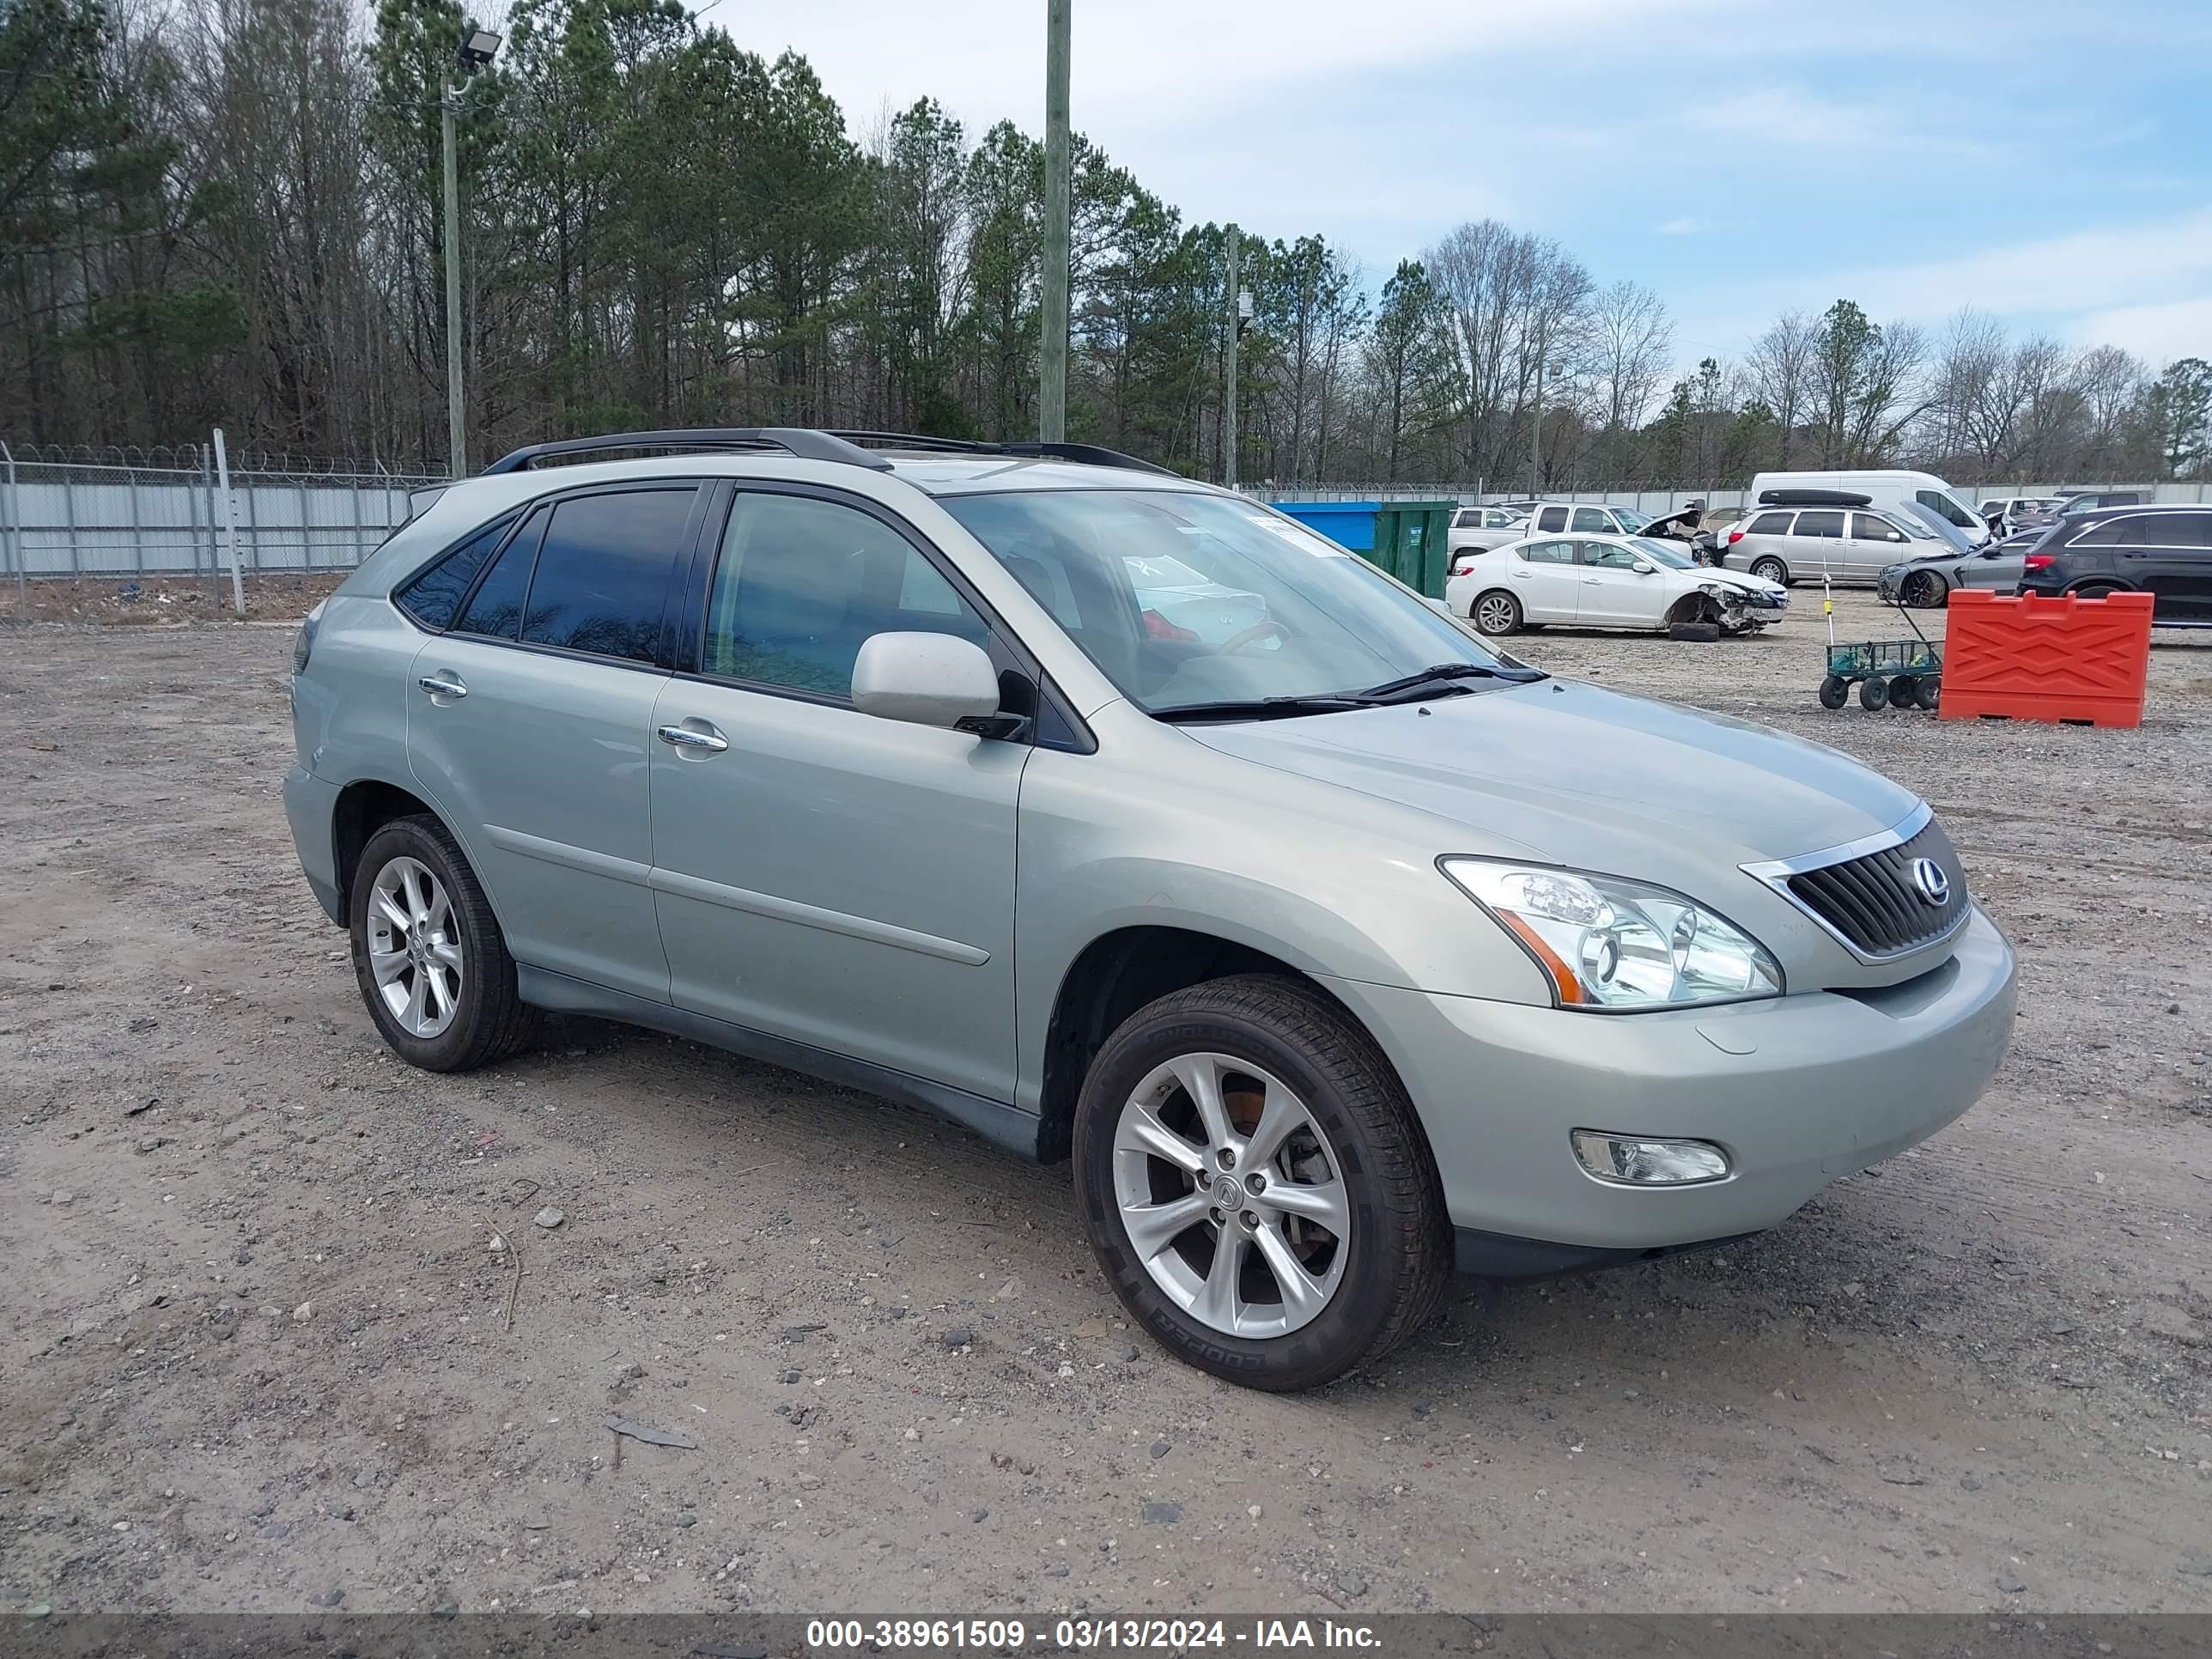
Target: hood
{"x":1713,"y":576}
{"x":1661,"y":526}
{"x":1572,"y":775}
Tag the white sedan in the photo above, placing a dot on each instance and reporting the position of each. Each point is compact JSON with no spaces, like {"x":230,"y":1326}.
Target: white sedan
{"x":1608,"y":581}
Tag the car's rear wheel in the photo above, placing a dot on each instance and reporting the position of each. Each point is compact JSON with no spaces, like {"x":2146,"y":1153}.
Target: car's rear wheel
{"x":1255,"y":1185}
{"x":428,"y":952}
{"x":1495,"y":614}
{"x":1770,"y":568}
{"x":1924,"y":590}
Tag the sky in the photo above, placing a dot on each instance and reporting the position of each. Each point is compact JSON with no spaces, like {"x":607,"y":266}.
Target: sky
{"x":2047,"y":161}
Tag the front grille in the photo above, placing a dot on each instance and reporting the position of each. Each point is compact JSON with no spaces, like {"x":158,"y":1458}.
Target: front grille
{"x":1872,"y":900}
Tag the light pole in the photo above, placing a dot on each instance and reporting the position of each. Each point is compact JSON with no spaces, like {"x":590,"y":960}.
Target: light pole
{"x":1052,"y":346}
{"x":477,"y":50}
{"x":1240,"y":309}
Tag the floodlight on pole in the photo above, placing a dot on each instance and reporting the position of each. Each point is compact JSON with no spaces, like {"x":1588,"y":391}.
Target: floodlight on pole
{"x":474,"y":55}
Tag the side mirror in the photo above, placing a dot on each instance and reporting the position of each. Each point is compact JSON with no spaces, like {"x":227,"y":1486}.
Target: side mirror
{"x":926,"y":679}
{"x":1643,"y":567}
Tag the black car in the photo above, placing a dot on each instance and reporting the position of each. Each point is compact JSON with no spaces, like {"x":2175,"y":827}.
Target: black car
{"x":2164,"y":551}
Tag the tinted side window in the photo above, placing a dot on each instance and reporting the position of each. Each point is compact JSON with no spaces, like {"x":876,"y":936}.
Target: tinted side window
{"x":1820,"y":524}
{"x":2113,"y":532}
{"x":434,"y":596}
{"x":1594,"y":521}
{"x":1769,"y":524}
{"x":603,"y":576}
{"x":1469,"y":518}
{"x":1606,"y":556}
{"x":1548,"y":553}
{"x":803,"y":583}
{"x":1552,"y":519}
{"x":496,"y":609}
{"x":1868,"y":528}
{"x":2186,"y":529}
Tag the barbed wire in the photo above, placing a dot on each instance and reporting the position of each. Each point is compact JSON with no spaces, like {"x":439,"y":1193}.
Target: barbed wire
{"x":196,"y":458}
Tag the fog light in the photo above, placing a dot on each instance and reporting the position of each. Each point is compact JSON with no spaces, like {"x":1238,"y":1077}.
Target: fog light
{"x":1632,"y":1161}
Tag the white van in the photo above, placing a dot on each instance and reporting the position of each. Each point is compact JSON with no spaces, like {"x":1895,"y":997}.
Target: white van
{"x":1889,"y":489}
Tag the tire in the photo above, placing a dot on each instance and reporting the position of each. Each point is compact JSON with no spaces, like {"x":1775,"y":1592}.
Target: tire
{"x":1905,"y":691}
{"x":1702,"y":632}
{"x":1931,"y":694}
{"x":1495,"y":614}
{"x":1835,"y":691}
{"x":2097,"y":591}
{"x":484,"y":1020}
{"x":1873,"y":694}
{"x":1923,"y":590}
{"x":1380,"y":1278}
{"x":1772,"y":569}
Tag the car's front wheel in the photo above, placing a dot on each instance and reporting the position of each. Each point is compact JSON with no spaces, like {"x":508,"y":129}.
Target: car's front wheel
{"x":1924,"y":590}
{"x":428,"y":952}
{"x":1255,"y":1185}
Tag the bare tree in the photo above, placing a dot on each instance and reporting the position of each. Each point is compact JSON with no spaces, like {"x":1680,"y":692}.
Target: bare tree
{"x":1779,"y":373}
{"x":1632,"y":340}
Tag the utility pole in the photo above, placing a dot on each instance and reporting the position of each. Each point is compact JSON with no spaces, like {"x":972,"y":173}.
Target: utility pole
{"x":457,"y":442}
{"x":1235,"y":338}
{"x":1536,"y":437}
{"x":474,"y":54}
{"x":1051,"y":351}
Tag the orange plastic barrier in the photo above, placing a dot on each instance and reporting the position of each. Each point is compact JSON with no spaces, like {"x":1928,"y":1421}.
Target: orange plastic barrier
{"x":2035,"y":658}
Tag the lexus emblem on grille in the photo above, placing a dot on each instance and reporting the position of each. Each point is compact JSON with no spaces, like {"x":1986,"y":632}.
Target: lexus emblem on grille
{"x":1930,"y":882}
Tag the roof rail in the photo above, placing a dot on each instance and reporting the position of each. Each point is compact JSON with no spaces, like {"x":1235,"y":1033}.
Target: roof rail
{"x":801,"y":441}
{"x":1085,"y":454}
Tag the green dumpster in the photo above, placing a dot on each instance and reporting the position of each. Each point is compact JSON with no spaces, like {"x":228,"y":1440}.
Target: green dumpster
{"x":1413,"y":542}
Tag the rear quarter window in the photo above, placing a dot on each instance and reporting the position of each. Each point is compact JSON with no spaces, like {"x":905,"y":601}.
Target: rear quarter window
{"x":432,"y":596}
{"x":1769,"y":523}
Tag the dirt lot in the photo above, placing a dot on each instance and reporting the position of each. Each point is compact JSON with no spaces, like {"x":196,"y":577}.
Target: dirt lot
{"x":254,"y":1347}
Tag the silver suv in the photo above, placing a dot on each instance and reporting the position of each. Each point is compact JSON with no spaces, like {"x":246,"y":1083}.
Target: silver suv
{"x":1789,"y":544}
{"x":1123,"y":818}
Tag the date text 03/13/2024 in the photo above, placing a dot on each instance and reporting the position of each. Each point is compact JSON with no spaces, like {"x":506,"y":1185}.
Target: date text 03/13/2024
{"x":1080,"y":1635}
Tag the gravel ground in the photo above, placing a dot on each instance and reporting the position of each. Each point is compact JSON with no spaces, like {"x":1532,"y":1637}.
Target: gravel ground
{"x":257,"y":1349}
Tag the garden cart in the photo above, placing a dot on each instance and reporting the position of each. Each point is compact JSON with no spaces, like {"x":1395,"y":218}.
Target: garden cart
{"x":1889,"y":673}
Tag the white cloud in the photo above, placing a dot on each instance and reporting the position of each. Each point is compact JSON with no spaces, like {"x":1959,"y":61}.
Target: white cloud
{"x":2156,"y":333}
{"x":1688,"y":225}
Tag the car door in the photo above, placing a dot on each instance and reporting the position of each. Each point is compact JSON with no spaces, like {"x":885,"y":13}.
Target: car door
{"x":822,"y":875}
{"x":529,"y":725}
{"x":1816,"y":545}
{"x":1546,"y":580}
{"x":1613,"y":593}
{"x":1875,"y":545}
{"x":2169,"y":555}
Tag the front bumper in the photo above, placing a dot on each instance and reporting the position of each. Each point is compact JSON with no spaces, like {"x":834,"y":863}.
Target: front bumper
{"x":311,"y":804}
{"x":1797,"y":1090}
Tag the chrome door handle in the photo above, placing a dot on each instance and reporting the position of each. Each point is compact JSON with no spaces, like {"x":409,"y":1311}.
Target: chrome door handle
{"x":439,"y":686}
{"x":682,"y":737}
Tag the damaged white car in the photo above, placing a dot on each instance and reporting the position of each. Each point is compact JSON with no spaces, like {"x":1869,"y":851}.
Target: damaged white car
{"x":1608,"y":581}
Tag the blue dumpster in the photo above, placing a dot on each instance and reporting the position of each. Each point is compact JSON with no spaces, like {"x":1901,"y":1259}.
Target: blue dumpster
{"x":1348,"y":523}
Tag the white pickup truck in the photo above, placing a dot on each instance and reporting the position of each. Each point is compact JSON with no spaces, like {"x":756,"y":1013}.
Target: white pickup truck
{"x":1479,"y":528}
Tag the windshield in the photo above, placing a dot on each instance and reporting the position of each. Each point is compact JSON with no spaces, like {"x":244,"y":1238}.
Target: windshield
{"x":1631,"y":519}
{"x":1660,"y":553}
{"x":1279,"y":612}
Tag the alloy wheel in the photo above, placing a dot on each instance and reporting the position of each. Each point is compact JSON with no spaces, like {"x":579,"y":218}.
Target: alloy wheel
{"x":414,"y":953}
{"x":1493,"y":614}
{"x":1231,"y":1196}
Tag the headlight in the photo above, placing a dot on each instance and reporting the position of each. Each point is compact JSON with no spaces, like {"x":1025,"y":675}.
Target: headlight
{"x":1605,"y":943}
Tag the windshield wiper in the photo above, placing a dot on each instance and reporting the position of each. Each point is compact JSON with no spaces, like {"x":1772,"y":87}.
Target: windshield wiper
{"x":1442,"y":674}
{"x":1259,"y":708}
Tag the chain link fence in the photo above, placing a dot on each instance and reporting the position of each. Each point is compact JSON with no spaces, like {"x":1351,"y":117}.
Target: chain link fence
{"x":124,"y":514}
{"x":130,"y":512}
